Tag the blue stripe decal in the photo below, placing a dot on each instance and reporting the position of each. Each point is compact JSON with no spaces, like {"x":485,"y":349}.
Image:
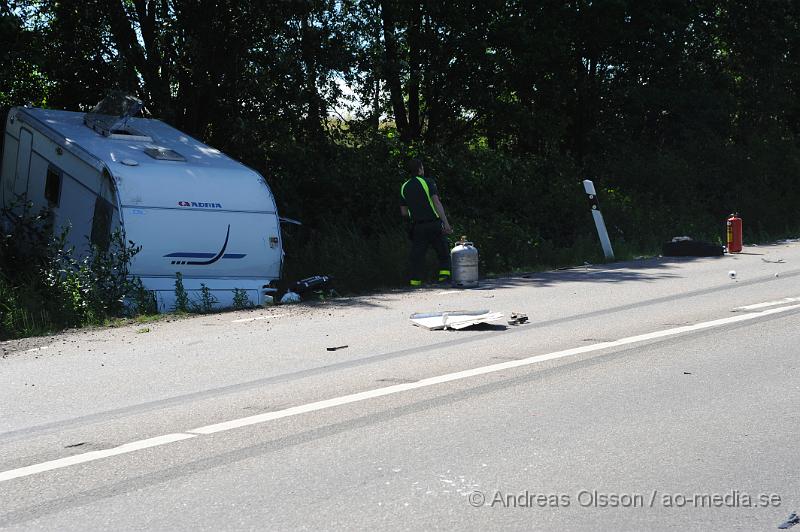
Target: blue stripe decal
{"x":206,"y":255}
{"x":191,"y":255}
{"x":212,"y":257}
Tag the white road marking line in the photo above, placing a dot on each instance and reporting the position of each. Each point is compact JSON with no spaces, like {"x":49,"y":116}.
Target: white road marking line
{"x":38,"y":348}
{"x":243,"y":320}
{"x":389,"y":390}
{"x":371,"y":394}
{"x":33,"y":349}
{"x":766,"y":304}
{"x":93,"y":455}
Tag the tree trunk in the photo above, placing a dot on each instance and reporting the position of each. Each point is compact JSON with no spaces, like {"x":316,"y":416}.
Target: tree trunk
{"x":129,"y":47}
{"x":414,"y":123}
{"x":376,"y":72}
{"x":392,"y":70}
{"x":309,"y":48}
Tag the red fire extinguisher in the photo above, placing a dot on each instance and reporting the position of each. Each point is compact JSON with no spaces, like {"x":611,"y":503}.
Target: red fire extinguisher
{"x":734,"y":224}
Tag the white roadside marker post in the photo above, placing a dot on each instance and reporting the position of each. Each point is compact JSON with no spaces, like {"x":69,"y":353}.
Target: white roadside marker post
{"x":588,"y":186}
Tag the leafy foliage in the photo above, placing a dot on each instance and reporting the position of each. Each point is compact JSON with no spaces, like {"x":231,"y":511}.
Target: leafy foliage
{"x":181,"y":295}
{"x":240,"y":299}
{"x":143,"y":301}
{"x":45,"y":287}
{"x":680,"y":111}
{"x":207,"y":301}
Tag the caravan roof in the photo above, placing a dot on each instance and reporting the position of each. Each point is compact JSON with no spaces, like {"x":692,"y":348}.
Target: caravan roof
{"x":70,"y":126}
{"x":157,"y":165}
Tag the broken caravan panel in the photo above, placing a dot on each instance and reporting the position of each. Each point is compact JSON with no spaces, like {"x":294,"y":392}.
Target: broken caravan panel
{"x":454,"y":319}
{"x":191,"y":208}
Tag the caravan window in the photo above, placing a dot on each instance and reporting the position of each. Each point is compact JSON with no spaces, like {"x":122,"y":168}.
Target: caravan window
{"x":52,"y":187}
{"x":101,"y":224}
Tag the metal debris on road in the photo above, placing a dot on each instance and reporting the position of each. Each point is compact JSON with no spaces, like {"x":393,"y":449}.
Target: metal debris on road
{"x":518,"y":318}
{"x":454,"y":319}
{"x":790,"y":522}
{"x":337,"y":347}
{"x":776,"y":261}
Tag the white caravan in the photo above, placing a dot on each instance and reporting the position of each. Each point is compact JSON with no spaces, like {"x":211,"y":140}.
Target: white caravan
{"x":191,"y":208}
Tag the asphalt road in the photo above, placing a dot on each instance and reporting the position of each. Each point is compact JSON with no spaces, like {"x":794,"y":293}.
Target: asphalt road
{"x":653,"y":395}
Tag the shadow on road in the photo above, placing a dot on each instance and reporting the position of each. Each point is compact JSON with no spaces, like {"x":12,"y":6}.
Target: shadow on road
{"x":646,"y":270}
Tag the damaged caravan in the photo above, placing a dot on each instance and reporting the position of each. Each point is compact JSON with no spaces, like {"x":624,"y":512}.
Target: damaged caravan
{"x":191,"y":208}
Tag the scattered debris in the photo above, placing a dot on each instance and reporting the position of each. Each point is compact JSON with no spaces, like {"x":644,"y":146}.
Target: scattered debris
{"x":337,"y":347}
{"x":396,"y":380}
{"x":687,"y":372}
{"x":316,"y":282}
{"x":454,"y":319}
{"x":732,"y":274}
{"x":518,"y":318}
{"x":143,"y":330}
{"x":290,"y":297}
{"x":776,"y":261}
{"x":75,"y":445}
{"x":790,"y":522}
{"x":257,"y":318}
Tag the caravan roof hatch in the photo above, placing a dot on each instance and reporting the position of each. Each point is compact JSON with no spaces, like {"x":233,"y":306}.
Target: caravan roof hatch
{"x":164,"y":154}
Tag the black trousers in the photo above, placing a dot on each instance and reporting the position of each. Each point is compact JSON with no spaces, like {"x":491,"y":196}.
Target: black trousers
{"x":426,"y":234}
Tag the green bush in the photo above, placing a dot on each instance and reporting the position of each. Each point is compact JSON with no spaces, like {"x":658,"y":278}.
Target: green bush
{"x":44,"y":287}
{"x":181,"y":295}
{"x":207,"y":302}
{"x":240,"y":299}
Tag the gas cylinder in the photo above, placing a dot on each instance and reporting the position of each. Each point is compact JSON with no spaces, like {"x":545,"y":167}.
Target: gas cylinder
{"x":734,"y":226}
{"x":464,"y":260}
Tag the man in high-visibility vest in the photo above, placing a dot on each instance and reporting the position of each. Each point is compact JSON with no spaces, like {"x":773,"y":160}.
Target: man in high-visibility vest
{"x":420,"y":202}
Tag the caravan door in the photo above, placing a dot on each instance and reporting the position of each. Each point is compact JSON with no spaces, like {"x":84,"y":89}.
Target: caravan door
{"x":23,"y":163}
